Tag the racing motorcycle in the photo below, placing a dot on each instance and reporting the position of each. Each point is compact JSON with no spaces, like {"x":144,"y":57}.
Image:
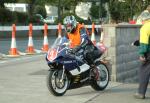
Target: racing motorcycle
{"x":69,"y":71}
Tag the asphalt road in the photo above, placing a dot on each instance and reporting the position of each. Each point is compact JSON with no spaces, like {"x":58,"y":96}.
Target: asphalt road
{"x":23,"y":80}
{"x":22,"y":43}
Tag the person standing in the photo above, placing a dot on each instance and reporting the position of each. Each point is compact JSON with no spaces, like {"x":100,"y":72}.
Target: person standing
{"x":139,"y":19}
{"x":144,"y":52}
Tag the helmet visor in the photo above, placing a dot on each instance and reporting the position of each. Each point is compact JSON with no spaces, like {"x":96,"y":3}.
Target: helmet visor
{"x":69,"y":28}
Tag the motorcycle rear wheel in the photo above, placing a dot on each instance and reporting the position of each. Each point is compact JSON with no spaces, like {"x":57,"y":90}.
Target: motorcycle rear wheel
{"x":103,"y":79}
{"x":55,"y":85}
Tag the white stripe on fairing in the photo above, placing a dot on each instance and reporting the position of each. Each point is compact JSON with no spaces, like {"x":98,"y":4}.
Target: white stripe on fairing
{"x":13,"y":43}
{"x":30,"y":43}
{"x":83,"y":68}
{"x":45,"y":40}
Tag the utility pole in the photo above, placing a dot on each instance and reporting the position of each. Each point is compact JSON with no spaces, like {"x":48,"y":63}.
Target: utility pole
{"x":59,"y":7}
{"x":100,"y":10}
{"x":131,"y":6}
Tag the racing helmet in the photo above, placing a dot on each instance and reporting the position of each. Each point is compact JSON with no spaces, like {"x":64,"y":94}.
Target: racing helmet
{"x":69,"y":23}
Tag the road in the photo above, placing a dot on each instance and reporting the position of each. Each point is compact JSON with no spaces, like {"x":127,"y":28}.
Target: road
{"x":23,"y":80}
{"x":22,"y":43}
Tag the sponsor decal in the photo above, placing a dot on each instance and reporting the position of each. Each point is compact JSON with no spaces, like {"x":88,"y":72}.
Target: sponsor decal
{"x":70,"y":61}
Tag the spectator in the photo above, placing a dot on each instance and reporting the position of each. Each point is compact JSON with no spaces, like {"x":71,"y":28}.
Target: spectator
{"x":148,"y":8}
{"x":132,"y":21}
{"x":139,"y":19}
{"x":144,"y":51}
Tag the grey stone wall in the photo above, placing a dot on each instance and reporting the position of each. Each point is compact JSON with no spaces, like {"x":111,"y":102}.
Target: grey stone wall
{"x":123,"y":57}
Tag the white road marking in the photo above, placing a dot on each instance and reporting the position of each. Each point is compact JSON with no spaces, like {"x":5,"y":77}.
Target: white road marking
{"x":3,"y":62}
{"x":18,"y":59}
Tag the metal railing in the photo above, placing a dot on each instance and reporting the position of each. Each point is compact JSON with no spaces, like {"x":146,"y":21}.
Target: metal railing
{"x":40,"y":27}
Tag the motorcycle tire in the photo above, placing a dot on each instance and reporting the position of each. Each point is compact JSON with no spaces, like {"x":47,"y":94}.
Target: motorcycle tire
{"x":55,"y":85}
{"x":103,"y":80}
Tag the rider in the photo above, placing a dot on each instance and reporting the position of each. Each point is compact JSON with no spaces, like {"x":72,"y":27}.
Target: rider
{"x":78,"y":37}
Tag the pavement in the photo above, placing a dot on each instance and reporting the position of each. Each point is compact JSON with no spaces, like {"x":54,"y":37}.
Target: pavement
{"x":23,"y":80}
{"x":121,"y":93}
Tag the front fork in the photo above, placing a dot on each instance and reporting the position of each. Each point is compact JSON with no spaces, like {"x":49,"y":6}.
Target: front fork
{"x":62,"y":76}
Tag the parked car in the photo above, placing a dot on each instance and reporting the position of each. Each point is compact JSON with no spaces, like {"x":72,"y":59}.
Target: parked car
{"x":39,"y":18}
{"x":50,"y":19}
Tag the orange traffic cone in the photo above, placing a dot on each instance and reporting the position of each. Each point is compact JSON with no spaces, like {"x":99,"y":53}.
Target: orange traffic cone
{"x":59,"y":30}
{"x":13,"y":50}
{"x":102,"y":36}
{"x":30,"y":48}
{"x":93,"y":34}
{"x":45,"y":42}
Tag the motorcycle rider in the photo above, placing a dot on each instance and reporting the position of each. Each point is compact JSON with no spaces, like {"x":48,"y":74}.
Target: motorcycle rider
{"x":78,"y":37}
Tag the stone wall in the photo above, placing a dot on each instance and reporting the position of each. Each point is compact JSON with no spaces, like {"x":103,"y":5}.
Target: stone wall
{"x":123,"y":57}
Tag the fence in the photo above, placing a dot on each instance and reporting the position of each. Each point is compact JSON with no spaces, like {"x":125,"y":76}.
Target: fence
{"x":21,"y":28}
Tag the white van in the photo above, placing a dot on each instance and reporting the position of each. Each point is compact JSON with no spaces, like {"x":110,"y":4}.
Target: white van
{"x":20,"y":7}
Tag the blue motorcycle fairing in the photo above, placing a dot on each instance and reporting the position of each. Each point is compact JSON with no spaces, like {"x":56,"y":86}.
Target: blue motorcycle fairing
{"x":59,"y":57}
{"x":69,"y":61}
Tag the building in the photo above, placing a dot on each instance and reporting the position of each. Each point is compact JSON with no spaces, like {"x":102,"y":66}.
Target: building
{"x":20,"y":7}
{"x":51,"y":10}
{"x":82,"y":10}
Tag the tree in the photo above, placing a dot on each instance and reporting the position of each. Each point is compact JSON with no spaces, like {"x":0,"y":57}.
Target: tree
{"x":31,"y":5}
{"x":125,"y":9}
{"x":94,"y":11}
{"x":34,"y":4}
{"x":65,"y":4}
{"x":6,"y":1}
{"x":40,"y":10}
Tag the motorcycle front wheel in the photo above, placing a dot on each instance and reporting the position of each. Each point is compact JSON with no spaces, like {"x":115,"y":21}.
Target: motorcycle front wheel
{"x":56,"y":84}
{"x":103,"y":77}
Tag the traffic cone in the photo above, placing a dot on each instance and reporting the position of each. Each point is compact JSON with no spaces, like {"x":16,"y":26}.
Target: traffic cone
{"x":101,"y":42}
{"x":45,"y":42}
{"x":30,"y":48}
{"x":13,"y":50}
{"x":93,"y":34}
{"x":102,"y":36}
{"x":59,"y":30}
{"x":59,"y":39}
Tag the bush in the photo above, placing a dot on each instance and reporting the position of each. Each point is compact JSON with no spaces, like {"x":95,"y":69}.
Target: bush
{"x":6,"y":16}
{"x":40,"y":10}
{"x":20,"y":17}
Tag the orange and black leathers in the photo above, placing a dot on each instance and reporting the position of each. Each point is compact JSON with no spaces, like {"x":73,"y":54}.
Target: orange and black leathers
{"x":78,"y":37}
{"x":79,"y":40}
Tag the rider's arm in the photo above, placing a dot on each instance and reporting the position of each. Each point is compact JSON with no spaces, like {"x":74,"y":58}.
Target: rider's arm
{"x":84,"y":40}
{"x":84,"y":37}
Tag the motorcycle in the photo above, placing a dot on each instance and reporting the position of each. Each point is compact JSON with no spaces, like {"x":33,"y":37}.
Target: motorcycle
{"x":69,"y":71}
